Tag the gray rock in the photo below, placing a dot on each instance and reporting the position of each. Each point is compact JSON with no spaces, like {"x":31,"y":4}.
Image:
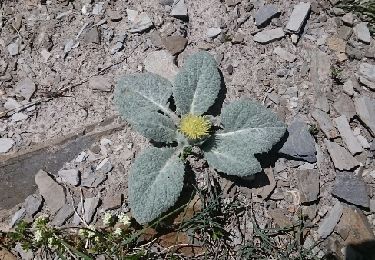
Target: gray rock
{"x":101,"y":83}
{"x":267,"y":36}
{"x":365,"y":107}
{"x":90,"y":206}
{"x":265,"y":14}
{"x":372,"y":205}
{"x":300,"y":144}
{"x":117,"y":47}
{"x":6,"y":144}
{"x":104,"y":166}
{"x":362,"y":32}
{"x":62,"y":215}
{"x":354,"y":52}
{"x":344,"y":32}
{"x":77,"y":217}
{"x":298,"y":17}
{"x":161,"y":63}
{"x":308,"y":185}
{"x":25,"y":88}
{"x":175,"y":44}
{"x":344,"y":105}
{"x":328,"y":224}
{"x":351,"y":188}
{"x":69,"y":45}
{"x":179,"y":9}
{"x":71,"y":176}
{"x":367,"y":75}
{"x":322,"y":103}
{"x":13,"y":48}
{"x":284,"y":54}
{"x":348,"y":19}
{"x":33,"y":204}
{"x":347,"y":135}
{"x":141,"y":23}
{"x":92,"y":35}
{"x":338,"y":11}
{"x":166,"y":2}
{"x":213,"y":32}
{"x":341,"y":158}
{"x":16,"y":117}
{"x":24,"y":254}
{"x":98,"y":8}
{"x":348,"y":88}
{"x":52,"y":192}
{"x":20,"y":214}
{"x":92,"y":179}
{"x":325,"y":123}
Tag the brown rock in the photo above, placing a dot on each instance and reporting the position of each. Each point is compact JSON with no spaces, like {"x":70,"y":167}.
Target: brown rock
{"x":112,"y":201}
{"x":175,"y":44}
{"x":354,"y":227}
{"x":6,"y":255}
{"x":280,"y":217}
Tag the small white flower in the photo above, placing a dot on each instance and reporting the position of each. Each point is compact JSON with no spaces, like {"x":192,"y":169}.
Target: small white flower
{"x":124,"y":219}
{"x":38,"y":235}
{"x":91,"y":231}
{"x":117,"y":232}
{"x":107,"y":219}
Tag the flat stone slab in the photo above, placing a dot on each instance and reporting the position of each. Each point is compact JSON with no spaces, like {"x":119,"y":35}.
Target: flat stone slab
{"x":298,"y":17}
{"x":141,"y":23}
{"x":365,"y":107}
{"x":90,"y":206}
{"x":33,"y":204}
{"x":265,"y":14}
{"x":341,"y":158}
{"x":6,"y":144}
{"x":351,"y":188}
{"x":362,"y":32}
{"x":63,"y":215}
{"x":347,"y":135}
{"x":325,"y":123}
{"x":267,"y":36}
{"x":328,"y":224}
{"x":179,"y":9}
{"x":308,"y":184}
{"x":51,"y":191}
{"x":300,"y":144}
{"x":344,"y":105}
{"x":71,"y":176}
{"x":367,"y":74}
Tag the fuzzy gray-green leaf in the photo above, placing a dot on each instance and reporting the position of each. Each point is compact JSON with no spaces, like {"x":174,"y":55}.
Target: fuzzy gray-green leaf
{"x":248,"y":129}
{"x":139,"y":97}
{"x":155,"y":183}
{"x":197,"y":84}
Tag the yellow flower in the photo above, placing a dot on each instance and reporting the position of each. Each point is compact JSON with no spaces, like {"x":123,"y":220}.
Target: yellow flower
{"x":195,"y":127}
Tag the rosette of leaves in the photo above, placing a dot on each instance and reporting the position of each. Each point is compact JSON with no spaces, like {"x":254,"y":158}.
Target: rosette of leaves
{"x":157,"y":175}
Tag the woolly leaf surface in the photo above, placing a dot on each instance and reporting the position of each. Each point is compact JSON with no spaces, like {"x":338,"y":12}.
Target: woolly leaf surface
{"x":155,"y":183}
{"x":139,"y":97}
{"x":197,"y":84}
{"x":248,"y":129}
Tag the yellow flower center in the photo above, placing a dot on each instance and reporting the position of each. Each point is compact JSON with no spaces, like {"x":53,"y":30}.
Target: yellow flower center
{"x":195,"y":127}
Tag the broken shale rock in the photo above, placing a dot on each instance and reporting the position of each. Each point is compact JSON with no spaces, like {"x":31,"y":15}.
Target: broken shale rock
{"x":298,"y":17}
{"x":300,"y":144}
{"x":308,"y":184}
{"x":267,"y":36}
{"x":328,"y":224}
{"x":365,"y":107}
{"x":351,"y":188}
{"x":347,"y":135}
{"x":52,"y":192}
{"x":341,"y":158}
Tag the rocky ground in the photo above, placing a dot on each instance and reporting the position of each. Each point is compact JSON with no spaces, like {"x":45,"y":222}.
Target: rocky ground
{"x":64,"y":148}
